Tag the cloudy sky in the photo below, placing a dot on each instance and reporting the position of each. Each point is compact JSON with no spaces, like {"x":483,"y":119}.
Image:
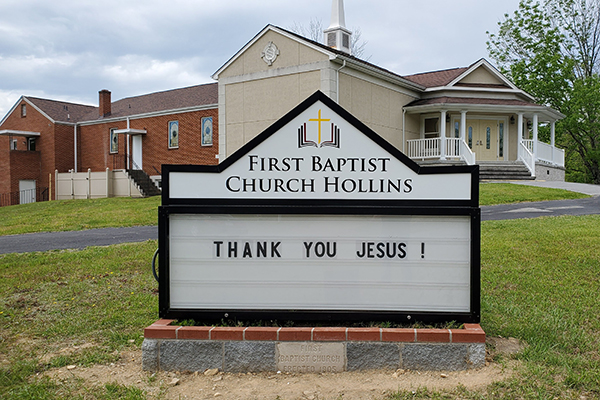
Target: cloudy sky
{"x":70,"y":49}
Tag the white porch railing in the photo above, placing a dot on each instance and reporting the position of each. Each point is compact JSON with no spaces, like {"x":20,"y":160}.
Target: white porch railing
{"x":550,"y":154}
{"x":456,"y":148}
{"x":453,"y":147}
{"x":466,"y":153}
{"x":424,"y":148}
{"x":526,"y":156}
{"x":546,"y":152}
{"x":528,"y":143}
{"x":431,"y":148}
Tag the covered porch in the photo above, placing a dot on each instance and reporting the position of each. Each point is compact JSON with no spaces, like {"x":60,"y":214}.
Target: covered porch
{"x":482,"y":133}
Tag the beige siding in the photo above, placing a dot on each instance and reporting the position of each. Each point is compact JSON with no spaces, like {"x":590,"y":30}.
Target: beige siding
{"x":256,"y":94}
{"x":291,"y":54}
{"x":413,"y":126}
{"x":377,"y":106}
{"x":481,"y":75}
{"x":254,"y":105}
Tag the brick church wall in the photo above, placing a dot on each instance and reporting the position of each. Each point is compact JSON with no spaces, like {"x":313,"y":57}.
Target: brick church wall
{"x":4,"y":165}
{"x":24,"y":164}
{"x":94,"y":147}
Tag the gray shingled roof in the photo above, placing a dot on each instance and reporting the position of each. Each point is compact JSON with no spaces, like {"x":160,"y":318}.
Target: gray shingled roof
{"x":193,"y":96}
{"x":62,"y":111}
{"x":175,"y":99}
{"x":437,"y":78}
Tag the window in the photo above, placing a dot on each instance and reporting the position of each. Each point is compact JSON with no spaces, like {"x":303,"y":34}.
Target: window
{"x":488,"y":137}
{"x":31,"y":144}
{"x":456,"y":129}
{"x":431,"y":127}
{"x":501,"y":140}
{"x":13,"y":144}
{"x":471,"y":137}
{"x":23,"y":110}
{"x":207,"y":131}
{"x":114,"y":141}
{"x":173,"y":134}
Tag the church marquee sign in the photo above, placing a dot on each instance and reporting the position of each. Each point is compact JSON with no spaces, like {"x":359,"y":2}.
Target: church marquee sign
{"x":319,"y":218}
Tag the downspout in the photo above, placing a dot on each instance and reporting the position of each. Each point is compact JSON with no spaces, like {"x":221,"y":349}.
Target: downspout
{"x":75,"y":146}
{"x":337,"y":89}
{"x":404,"y":130}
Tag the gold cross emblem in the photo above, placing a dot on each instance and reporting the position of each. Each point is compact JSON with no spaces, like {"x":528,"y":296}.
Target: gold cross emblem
{"x":319,"y":120}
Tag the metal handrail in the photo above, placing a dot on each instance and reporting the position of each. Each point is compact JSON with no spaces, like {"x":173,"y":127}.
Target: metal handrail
{"x":129,"y":161}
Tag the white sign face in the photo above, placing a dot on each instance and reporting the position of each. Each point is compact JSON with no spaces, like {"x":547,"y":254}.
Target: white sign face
{"x":319,"y":155}
{"x":320,"y":262}
{"x":319,"y":217}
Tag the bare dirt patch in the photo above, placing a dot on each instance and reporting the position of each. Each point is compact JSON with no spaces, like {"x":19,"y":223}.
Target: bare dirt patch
{"x":65,"y":351}
{"x":347,"y":385}
{"x":505,"y":346}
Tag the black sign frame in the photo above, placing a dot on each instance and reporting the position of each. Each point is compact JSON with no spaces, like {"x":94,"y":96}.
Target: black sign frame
{"x":171,"y":206}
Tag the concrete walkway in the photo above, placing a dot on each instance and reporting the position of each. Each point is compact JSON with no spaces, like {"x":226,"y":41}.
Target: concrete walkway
{"x":592,"y":190}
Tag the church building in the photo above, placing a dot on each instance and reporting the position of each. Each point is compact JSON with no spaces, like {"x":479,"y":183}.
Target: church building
{"x":469,"y":115}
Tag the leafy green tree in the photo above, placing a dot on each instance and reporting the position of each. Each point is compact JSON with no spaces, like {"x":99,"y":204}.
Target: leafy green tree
{"x":551,"y":49}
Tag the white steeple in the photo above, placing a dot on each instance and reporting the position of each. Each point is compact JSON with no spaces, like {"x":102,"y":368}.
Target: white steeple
{"x":337,"y":36}
{"x":338,"y":17}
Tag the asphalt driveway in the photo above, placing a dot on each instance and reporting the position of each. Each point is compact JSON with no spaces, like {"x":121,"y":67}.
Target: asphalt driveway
{"x":108,"y":236}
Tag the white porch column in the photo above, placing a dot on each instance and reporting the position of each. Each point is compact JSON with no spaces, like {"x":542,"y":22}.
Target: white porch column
{"x":520,"y":127}
{"x":443,"y":135}
{"x":535,"y":134}
{"x":552,"y":133}
{"x":463,"y":126}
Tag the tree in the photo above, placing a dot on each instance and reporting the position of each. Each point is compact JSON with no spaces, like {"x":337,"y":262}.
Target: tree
{"x":315,"y":29}
{"x":551,"y":50}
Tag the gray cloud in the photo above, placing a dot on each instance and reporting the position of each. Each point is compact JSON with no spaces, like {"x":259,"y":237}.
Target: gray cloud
{"x":70,"y":49}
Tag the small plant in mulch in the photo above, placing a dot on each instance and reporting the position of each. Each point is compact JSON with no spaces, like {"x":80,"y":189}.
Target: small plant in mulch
{"x":344,"y":324}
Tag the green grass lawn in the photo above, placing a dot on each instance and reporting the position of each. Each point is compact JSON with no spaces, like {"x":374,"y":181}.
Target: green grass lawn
{"x":74,"y":215}
{"x":103,"y":296}
{"x":507,"y":193}
{"x":540,"y":284}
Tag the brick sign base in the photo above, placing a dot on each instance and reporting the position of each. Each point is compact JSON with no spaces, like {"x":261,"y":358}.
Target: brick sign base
{"x":169,"y":347}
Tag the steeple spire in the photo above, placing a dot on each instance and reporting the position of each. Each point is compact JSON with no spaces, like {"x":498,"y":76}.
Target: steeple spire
{"x":337,"y":36}
{"x":338,"y":18}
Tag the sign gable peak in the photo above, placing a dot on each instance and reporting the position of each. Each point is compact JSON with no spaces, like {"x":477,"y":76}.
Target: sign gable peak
{"x":319,"y":151}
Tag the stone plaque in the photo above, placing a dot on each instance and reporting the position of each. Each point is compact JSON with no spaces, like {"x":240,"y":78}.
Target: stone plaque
{"x":310,"y":357}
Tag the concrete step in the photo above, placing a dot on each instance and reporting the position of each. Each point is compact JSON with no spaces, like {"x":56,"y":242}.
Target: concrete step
{"x":514,"y":170}
{"x":144,"y":183}
{"x":489,"y":170}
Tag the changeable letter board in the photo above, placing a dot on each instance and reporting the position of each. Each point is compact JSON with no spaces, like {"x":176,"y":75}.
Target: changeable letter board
{"x":319,"y":218}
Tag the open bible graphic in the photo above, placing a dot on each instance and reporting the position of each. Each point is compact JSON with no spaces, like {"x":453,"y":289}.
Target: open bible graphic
{"x":333,"y":140}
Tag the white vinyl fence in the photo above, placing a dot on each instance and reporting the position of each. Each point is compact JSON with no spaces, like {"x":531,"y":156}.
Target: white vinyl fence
{"x":94,"y":185}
